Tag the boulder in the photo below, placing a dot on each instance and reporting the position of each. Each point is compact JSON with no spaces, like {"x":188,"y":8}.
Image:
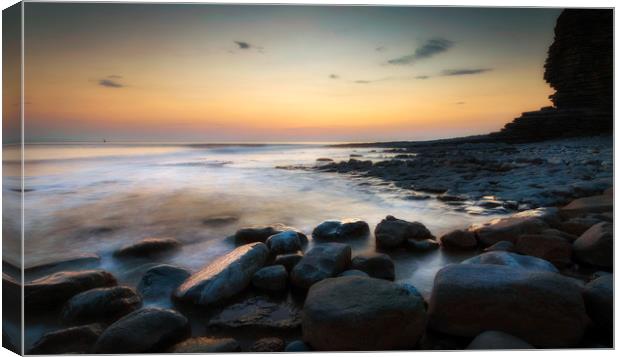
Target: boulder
{"x":159,"y":282}
{"x":549,"y":215}
{"x":261,"y":233}
{"x":321,"y":262}
{"x":392,"y":232}
{"x":459,"y":240}
{"x":258,"y":313}
{"x":100,"y":305}
{"x":548,"y":247}
{"x":558,"y":233}
{"x":585,"y":205}
{"x":543,"y":308}
{"x":362,"y":314}
{"x":513,"y":261}
{"x":283,"y":243}
{"x":353,"y":272}
{"x":206,"y":345}
{"x":268,"y":344}
{"x":599,"y":299}
{"x":508,"y":229}
{"x":577,"y":225}
{"x":341,"y":230}
{"x":497,"y":340}
{"x":225,"y":277}
{"x":595,"y":246}
{"x":148,"y":247}
{"x":376,"y":265}
{"x":288,"y":260}
{"x":145,"y":330}
{"x":77,"y":339}
{"x":297,"y":346}
{"x":501,"y":246}
{"x":424,"y":245}
{"x":54,"y":290}
{"x":272,"y":278}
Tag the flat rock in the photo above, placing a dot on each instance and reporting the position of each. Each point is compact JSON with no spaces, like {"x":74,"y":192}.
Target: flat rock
{"x":258,"y":312}
{"x":376,"y":265}
{"x":225,"y":277}
{"x":321,"y":262}
{"x":599,"y":299}
{"x":512,"y":260}
{"x":272,"y":278}
{"x":334,"y":230}
{"x":595,"y":246}
{"x":148,"y":247}
{"x":497,"y":340}
{"x":268,"y":344}
{"x":206,"y":345}
{"x":145,"y":330}
{"x":362,"y":314}
{"x":284,"y":243}
{"x":585,"y":205}
{"x":100,"y":305}
{"x":508,"y":229}
{"x":543,"y":308}
{"x":77,"y":339}
{"x":459,"y":240}
{"x":392,"y":232}
{"x":548,"y":247}
{"x":54,"y":290}
{"x":159,"y":282}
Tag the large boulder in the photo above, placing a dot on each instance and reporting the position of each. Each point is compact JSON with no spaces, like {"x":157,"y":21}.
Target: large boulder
{"x":268,"y":344}
{"x":54,"y":290}
{"x":596,"y":246}
{"x":543,"y":308}
{"x":261,"y":233}
{"x":459,"y":240}
{"x":555,"y":249}
{"x":512,"y":260}
{"x":148,"y":247}
{"x":284,"y":243}
{"x":333,"y":230}
{"x":549,"y":215}
{"x":72,"y":340}
{"x":272,"y":278}
{"x":321,"y":262}
{"x":100,"y":305}
{"x":585,"y":205}
{"x":508,"y":229}
{"x":206,"y":345}
{"x":599,"y":299}
{"x":258,"y":313}
{"x":225,"y":277}
{"x":362,"y":314}
{"x":376,"y":265}
{"x":578,"y":225}
{"x":497,"y":340}
{"x":501,"y":246}
{"x":146,"y":330}
{"x":159,"y":282}
{"x":392,"y":232}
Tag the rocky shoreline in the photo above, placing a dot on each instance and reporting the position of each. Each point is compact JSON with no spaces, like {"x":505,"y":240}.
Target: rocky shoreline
{"x":540,"y":278}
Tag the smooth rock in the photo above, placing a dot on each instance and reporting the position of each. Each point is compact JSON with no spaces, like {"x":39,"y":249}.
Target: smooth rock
{"x":206,"y":345}
{"x":497,"y":340}
{"x":595,"y":246}
{"x":297,"y":346}
{"x":376,"y":265}
{"x":508,"y":229}
{"x":225,"y":277}
{"x":599,"y":299}
{"x":54,"y":290}
{"x":145,"y":330}
{"x":258,"y":312}
{"x":392,"y":232}
{"x":100,"y":305}
{"x":502,"y":246}
{"x":77,"y":339}
{"x":288,"y":260}
{"x":424,"y":245}
{"x":321,"y":262}
{"x":284,"y":243}
{"x":148,"y":247}
{"x":268,"y":344}
{"x":549,"y":215}
{"x":585,"y":205}
{"x":459,"y":240}
{"x":271,"y":278}
{"x":341,"y":230}
{"x":362,"y":314}
{"x":512,"y":260}
{"x":558,"y":233}
{"x":261,"y":233}
{"x":551,"y":248}
{"x":159,"y":282}
{"x":578,"y":225}
{"x":543,"y":308}
{"x":353,"y":272}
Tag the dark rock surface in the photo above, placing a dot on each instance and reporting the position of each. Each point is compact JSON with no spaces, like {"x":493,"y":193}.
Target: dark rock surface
{"x":555,"y":249}
{"x":258,"y":313}
{"x":268,"y":344}
{"x":508,"y":229}
{"x":297,"y":346}
{"x":159,"y":282}
{"x":100,"y":305}
{"x":206,"y":345}
{"x":288,"y":260}
{"x":321,"y":262}
{"x":376,"y":265}
{"x":595,"y":246}
{"x":459,"y":240}
{"x":341,"y":230}
{"x":353,"y":272}
{"x":503,"y":246}
{"x":497,"y":340}
{"x":148,"y":247}
{"x":392,"y":232}
{"x":261,"y":233}
{"x":512,"y":260}
{"x":284,"y":243}
{"x":77,"y":339}
{"x":599,"y":298}
{"x":272,"y":278}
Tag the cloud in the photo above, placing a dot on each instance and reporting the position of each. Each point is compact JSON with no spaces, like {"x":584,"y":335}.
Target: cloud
{"x":464,"y":71}
{"x":334,"y":76}
{"x":363,"y":81}
{"x":380,"y":48}
{"x":243,"y":45}
{"x":421,"y":77}
{"x":110,"y":83}
{"x":459,"y":103}
{"x":429,"y":49}
{"x":115,"y":76}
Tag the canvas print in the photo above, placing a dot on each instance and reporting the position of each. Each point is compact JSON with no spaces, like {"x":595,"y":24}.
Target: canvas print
{"x":199,"y":178}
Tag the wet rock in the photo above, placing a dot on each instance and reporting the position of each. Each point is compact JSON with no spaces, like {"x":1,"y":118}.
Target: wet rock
{"x":422,"y":245}
{"x":77,"y":339}
{"x":585,"y":205}
{"x":503,"y":246}
{"x":297,"y":346}
{"x":148,"y":247}
{"x":159,"y":282}
{"x":269,"y":344}
{"x":459,"y":240}
{"x":225,"y":277}
{"x":288,"y":260}
{"x":551,"y":248}
{"x":353,"y":272}
{"x":392,"y":232}
{"x":283,"y":243}
{"x":599,"y":299}
{"x":54,"y":290}
{"x":512,"y":260}
{"x":272,"y":278}
{"x":341,"y":230}
{"x":258,"y":312}
{"x":595,"y":246}
{"x":206,"y":345}
{"x":578,"y":225}
{"x":558,"y":233}
{"x":468,"y":299}
{"x":508,"y":229}
{"x":261,"y":233}
{"x":100,"y":305}
{"x":321,"y":262}
{"x":376,"y":265}
{"x":549,"y":215}
{"x":145,"y":330}
{"x":497,"y":340}
{"x":357,"y":313}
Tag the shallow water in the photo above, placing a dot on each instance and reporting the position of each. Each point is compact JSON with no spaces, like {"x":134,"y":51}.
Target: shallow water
{"x":94,"y":198}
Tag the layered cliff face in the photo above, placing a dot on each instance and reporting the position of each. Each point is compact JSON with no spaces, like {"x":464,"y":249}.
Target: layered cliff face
{"x":579,"y":67}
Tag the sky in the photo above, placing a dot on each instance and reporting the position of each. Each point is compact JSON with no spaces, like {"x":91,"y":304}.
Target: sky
{"x":215,"y":73}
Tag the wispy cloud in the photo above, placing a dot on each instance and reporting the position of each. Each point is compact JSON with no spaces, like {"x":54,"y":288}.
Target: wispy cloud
{"x":464,"y":71}
{"x":110,"y":83}
{"x":334,"y":76}
{"x":421,"y":77}
{"x":246,"y":46}
{"x":429,"y":49}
